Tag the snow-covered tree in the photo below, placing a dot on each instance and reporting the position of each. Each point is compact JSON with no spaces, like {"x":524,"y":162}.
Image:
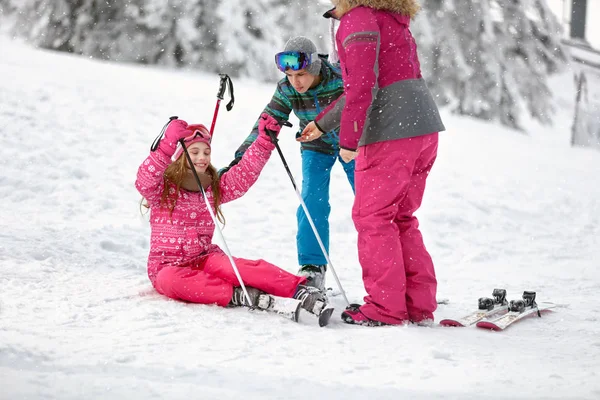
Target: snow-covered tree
{"x":46,"y":23}
{"x":486,"y":58}
{"x":255,"y":30}
{"x":490,"y":58}
{"x":533,"y":51}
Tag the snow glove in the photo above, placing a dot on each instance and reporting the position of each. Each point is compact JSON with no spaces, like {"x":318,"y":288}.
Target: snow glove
{"x":268,"y":130}
{"x":175,"y":130}
{"x":265,"y":123}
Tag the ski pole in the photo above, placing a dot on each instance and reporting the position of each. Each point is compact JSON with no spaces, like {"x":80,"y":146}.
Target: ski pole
{"x":275,"y":141}
{"x":225,"y":81}
{"x":214,"y":218}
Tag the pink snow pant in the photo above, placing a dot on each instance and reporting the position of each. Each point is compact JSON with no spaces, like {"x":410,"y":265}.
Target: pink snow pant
{"x":398,"y":272}
{"x":211,"y":279}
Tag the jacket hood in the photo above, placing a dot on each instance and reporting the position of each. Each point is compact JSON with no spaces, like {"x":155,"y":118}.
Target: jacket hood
{"x":329,"y":71}
{"x":405,"y":7}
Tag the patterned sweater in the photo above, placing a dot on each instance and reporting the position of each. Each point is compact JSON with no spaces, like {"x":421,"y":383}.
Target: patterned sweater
{"x":182,"y":237}
{"x":306,"y":106}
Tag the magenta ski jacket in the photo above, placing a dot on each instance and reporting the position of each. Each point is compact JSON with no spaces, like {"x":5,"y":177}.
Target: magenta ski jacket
{"x":385,"y":97}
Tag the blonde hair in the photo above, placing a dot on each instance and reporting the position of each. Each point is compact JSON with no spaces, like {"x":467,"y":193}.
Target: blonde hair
{"x":405,"y":7}
{"x":174,"y":176}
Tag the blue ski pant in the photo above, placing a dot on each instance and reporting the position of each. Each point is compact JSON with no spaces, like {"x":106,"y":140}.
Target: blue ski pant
{"x":316,"y":177}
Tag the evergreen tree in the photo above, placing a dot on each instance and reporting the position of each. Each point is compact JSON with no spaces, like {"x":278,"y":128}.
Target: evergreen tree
{"x":533,"y":51}
{"x":486,"y":58}
{"x":491,"y":58}
{"x":256,"y":30}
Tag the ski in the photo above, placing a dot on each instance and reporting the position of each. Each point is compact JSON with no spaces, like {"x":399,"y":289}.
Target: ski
{"x":290,"y":308}
{"x":323,"y":312}
{"x":284,"y":306}
{"x":488,"y":307}
{"x":325,"y":315}
{"x":518,"y":310}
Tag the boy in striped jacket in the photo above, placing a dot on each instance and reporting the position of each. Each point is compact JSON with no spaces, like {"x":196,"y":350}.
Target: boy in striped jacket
{"x":311,"y":84}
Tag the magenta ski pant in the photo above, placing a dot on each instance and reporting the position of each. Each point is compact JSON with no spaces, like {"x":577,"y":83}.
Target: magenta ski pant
{"x":211,"y":279}
{"x":398,"y":272}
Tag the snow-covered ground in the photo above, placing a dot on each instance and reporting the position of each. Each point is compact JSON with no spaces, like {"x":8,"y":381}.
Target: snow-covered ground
{"x":80,"y":320}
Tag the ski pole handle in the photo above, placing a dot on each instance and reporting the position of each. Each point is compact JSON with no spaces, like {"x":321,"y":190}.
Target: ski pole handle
{"x":226,"y":81}
{"x":223,"y":83}
{"x":222,"y":86}
{"x":273,"y":134}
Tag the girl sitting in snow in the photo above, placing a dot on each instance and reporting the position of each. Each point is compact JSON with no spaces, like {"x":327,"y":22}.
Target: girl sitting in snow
{"x":183,"y":263}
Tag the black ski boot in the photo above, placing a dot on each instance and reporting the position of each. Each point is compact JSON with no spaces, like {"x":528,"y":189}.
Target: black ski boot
{"x":315,"y":275}
{"x":239,"y":298}
{"x":311,"y":299}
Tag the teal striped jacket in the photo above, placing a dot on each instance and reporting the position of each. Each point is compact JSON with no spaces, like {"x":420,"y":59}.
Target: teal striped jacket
{"x":306,"y":106}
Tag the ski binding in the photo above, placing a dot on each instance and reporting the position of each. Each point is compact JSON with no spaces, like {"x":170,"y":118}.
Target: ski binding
{"x":488,"y":307}
{"x":517,"y":310}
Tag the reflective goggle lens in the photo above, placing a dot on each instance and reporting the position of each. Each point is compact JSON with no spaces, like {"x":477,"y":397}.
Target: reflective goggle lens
{"x":293,"y":60}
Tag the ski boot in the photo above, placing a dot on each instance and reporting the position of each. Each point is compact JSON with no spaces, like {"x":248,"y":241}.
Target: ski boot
{"x":353,"y":316}
{"x":315,"y":302}
{"x":315,"y":275}
{"x":239,"y":298}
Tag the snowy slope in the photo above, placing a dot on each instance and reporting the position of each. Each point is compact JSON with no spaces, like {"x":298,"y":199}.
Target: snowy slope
{"x":79,"y":318}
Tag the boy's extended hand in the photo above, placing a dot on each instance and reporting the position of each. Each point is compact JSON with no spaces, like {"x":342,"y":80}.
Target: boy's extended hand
{"x":310,"y":133}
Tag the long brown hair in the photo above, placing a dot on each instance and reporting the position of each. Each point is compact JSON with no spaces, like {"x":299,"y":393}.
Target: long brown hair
{"x":174,"y":176}
{"x":406,"y":7}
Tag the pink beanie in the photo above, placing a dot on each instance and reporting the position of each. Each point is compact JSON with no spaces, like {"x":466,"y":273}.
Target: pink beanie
{"x":198,"y":133}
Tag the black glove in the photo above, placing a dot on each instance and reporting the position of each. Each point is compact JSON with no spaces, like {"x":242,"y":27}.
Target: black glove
{"x":231,"y":164}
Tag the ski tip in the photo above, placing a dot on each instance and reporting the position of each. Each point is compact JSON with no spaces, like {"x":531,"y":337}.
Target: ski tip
{"x":451,"y":323}
{"x":488,"y":325}
{"x":547,"y":306}
{"x":444,"y":301}
{"x":325,"y":316}
{"x":296,"y":314}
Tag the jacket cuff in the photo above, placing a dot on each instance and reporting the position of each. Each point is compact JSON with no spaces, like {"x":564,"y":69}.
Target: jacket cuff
{"x":347,"y":148}
{"x":318,"y":127}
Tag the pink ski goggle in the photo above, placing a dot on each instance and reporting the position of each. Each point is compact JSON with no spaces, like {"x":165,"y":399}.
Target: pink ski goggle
{"x":200,"y":132}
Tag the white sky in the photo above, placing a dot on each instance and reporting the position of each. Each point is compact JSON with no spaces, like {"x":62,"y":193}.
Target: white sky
{"x":593,"y":14}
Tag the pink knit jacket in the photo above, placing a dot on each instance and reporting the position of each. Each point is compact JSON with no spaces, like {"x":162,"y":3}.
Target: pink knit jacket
{"x":180,"y":238}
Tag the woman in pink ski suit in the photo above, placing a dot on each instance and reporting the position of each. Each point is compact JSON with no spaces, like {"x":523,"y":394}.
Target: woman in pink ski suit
{"x":183,"y":264}
{"x":389,"y":123}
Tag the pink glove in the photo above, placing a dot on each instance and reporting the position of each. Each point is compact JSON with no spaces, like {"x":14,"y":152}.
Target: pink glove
{"x":176,"y":129}
{"x":267,"y":123}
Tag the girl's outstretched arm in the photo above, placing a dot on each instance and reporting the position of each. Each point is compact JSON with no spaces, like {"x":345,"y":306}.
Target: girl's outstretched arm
{"x":240,"y":178}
